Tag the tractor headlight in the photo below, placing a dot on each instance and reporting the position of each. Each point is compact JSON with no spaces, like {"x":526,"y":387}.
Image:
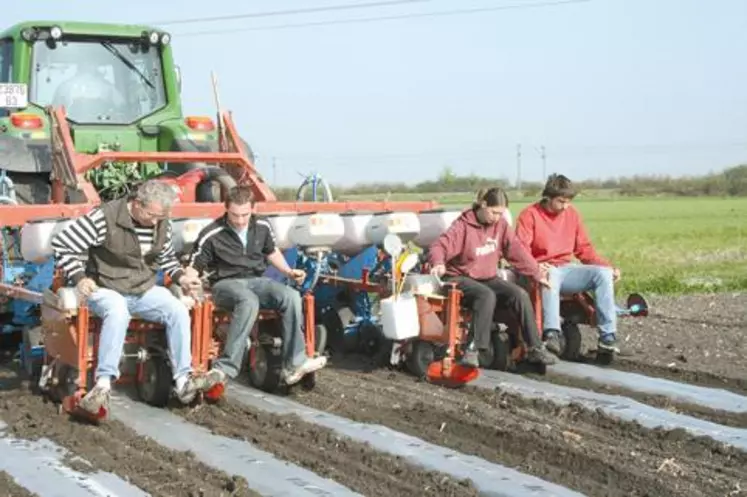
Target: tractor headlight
{"x":55,"y":32}
{"x":153,"y":38}
{"x":165,"y":39}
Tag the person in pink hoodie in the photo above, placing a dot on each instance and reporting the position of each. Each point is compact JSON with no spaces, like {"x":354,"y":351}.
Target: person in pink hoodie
{"x":468,"y":253}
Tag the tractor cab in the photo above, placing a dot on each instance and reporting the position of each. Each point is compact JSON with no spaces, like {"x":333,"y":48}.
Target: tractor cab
{"x":98,"y":79}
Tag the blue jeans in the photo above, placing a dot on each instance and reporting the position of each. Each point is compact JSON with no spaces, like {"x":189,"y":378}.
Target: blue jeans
{"x":244,"y":297}
{"x":574,"y":278}
{"x":156,"y":305}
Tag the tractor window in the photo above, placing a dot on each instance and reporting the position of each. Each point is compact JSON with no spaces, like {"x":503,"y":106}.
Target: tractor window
{"x":98,"y":81}
{"x":6,"y":61}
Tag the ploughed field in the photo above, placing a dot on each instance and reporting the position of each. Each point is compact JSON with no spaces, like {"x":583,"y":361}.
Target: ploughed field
{"x":581,"y":429}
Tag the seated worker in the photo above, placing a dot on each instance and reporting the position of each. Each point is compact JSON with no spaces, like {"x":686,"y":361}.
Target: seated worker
{"x":553,"y":232}
{"x":468,"y":254}
{"x":235,"y":249}
{"x":127,"y":241}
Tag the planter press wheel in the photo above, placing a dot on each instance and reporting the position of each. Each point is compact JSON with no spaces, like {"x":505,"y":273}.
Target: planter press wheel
{"x":422,"y":354}
{"x":308,"y":382}
{"x":155,"y":389}
{"x":320,"y":341}
{"x":31,"y":366}
{"x":498,"y":356}
{"x":265,"y":372}
{"x":605,"y":358}
{"x":570,"y":342}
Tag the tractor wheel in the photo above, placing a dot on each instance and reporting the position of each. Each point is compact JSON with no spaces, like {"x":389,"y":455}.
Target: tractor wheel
{"x":499,"y":355}
{"x":570,"y":342}
{"x":422,"y":354}
{"x":155,"y":389}
{"x":31,"y":188}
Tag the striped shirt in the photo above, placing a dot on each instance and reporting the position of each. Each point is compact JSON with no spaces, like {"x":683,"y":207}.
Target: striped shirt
{"x":90,"y":231}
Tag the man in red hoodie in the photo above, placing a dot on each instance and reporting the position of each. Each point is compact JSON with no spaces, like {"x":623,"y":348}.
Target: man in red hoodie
{"x":553,"y":232}
{"x":468,"y":253}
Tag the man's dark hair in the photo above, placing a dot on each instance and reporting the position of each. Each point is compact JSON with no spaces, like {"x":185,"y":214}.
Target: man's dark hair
{"x":492,"y":197}
{"x":559,"y":186}
{"x":240,"y":195}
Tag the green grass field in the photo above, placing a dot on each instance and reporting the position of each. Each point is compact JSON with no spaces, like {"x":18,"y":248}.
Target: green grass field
{"x":662,"y":245}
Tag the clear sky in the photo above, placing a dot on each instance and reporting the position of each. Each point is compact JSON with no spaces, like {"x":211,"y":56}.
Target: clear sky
{"x":609,"y":87}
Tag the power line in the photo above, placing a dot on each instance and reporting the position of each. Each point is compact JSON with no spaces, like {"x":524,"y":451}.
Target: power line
{"x":309,"y":10}
{"x":383,"y":18}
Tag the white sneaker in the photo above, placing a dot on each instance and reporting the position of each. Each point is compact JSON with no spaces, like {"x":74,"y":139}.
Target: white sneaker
{"x":310,"y":365}
{"x":97,"y":398}
{"x":199,"y":383}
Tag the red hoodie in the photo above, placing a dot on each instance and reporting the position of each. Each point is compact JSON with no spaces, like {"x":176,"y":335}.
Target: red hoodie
{"x":556,"y":238}
{"x":470,"y":248}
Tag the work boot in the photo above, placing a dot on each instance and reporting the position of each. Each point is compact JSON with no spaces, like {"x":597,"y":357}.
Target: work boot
{"x":200,"y":382}
{"x":470,"y":358}
{"x":540,"y":355}
{"x":310,"y":365}
{"x":608,"y":344}
{"x":97,"y":398}
{"x":552,"y":341}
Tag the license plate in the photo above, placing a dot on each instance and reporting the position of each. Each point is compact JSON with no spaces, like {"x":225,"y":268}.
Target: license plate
{"x":14,"y":96}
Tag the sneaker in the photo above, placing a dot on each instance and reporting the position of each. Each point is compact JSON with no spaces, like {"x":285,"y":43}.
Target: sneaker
{"x":470,"y":358}
{"x":540,"y":355}
{"x":310,"y":365}
{"x":608,"y":344}
{"x":199,"y":383}
{"x":97,"y":398}
{"x":552,"y":341}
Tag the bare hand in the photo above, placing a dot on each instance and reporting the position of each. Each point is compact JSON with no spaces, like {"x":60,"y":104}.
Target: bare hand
{"x":545,"y":282}
{"x":438,"y":270}
{"x":616,"y":274}
{"x":191,"y":272}
{"x":86,"y":287}
{"x":190,"y":282}
{"x":298,"y":275}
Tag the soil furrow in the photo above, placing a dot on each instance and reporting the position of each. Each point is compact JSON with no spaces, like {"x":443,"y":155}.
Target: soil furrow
{"x":726,"y":418}
{"x":113,"y":448}
{"x":355,"y":465}
{"x":9,"y":488}
{"x":586,"y":451}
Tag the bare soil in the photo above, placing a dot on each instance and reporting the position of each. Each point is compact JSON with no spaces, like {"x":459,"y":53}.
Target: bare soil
{"x":699,"y":339}
{"x":9,"y":488}
{"x":570,"y":446}
{"x":356,"y":465}
{"x":114,"y":448}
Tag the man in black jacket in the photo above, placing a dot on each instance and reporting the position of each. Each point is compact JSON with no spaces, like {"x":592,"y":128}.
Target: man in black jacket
{"x":234,"y":250}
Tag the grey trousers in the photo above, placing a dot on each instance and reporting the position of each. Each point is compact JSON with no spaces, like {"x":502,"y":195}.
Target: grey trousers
{"x":244,"y":298}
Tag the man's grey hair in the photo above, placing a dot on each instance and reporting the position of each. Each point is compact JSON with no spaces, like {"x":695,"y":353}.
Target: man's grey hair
{"x":156,"y":192}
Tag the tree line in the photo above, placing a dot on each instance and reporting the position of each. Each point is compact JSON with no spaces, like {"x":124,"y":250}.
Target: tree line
{"x":730,"y":182}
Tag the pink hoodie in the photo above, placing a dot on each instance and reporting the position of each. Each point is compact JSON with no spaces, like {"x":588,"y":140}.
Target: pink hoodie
{"x":469,"y":248}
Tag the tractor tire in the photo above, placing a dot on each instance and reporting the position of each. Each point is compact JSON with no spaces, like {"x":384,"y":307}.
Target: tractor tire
{"x":155,"y":388}
{"x":570,"y":342}
{"x":499,"y":355}
{"x":31,"y":188}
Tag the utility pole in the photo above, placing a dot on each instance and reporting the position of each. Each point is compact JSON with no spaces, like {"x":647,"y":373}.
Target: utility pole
{"x":518,"y":166}
{"x":543,"y":155}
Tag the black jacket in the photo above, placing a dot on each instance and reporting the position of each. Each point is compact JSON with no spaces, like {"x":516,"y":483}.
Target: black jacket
{"x":219,"y":250}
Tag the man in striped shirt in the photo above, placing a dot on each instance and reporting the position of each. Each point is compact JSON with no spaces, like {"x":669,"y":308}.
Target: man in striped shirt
{"x":127,"y":241}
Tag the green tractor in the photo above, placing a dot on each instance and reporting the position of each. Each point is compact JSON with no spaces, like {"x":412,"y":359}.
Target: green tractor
{"x":120,"y":89}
